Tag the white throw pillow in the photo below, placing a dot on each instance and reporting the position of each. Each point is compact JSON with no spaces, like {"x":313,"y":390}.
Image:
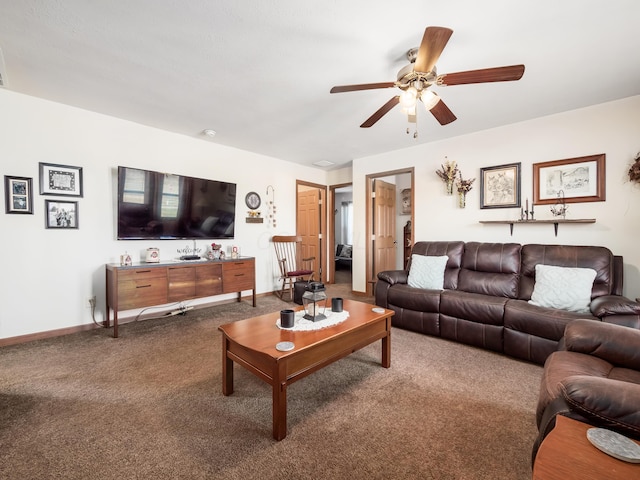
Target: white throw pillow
{"x":427,"y":272}
{"x":565,"y":288}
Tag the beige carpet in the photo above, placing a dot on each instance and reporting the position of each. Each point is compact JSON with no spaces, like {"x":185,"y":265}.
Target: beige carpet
{"x":149,"y":405}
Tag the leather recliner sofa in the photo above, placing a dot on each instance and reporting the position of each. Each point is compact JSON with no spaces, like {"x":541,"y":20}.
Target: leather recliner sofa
{"x":594,"y":378}
{"x":484,"y":300}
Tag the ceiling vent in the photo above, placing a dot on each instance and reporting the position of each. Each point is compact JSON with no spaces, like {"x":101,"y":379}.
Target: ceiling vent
{"x":3,"y":71}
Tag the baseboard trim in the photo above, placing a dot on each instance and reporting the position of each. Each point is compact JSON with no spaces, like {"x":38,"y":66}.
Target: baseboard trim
{"x":32,"y":337}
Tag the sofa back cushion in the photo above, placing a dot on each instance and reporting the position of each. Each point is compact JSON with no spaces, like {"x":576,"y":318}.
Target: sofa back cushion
{"x":599,"y":259}
{"x":453,"y":250}
{"x":490,"y":269}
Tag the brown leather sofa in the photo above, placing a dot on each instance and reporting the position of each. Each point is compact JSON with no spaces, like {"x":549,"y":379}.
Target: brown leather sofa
{"x":487,"y":286}
{"x":593,"y":378}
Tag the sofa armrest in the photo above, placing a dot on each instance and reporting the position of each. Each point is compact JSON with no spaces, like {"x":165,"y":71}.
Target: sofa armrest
{"x":614,"y":305}
{"x":614,"y":343}
{"x":394,"y":276}
{"x":608,"y":403}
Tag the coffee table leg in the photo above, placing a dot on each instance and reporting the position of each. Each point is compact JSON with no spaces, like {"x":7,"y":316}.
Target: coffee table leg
{"x":280,"y":402}
{"x":386,"y":346}
{"x":227,"y":368}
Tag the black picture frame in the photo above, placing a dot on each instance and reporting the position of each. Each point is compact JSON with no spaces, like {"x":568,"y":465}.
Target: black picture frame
{"x":18,"y":195}
{"x":61,"y":214}
{"x":60,"y":180}
{"x":500,"y":186}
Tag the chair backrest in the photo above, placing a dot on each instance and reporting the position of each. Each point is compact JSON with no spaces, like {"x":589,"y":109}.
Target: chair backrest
{"x":289,"y":252}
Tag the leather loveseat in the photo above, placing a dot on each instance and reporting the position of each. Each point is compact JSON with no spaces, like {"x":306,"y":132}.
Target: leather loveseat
{"x":594,"y":378}
{"x":486,"y":288}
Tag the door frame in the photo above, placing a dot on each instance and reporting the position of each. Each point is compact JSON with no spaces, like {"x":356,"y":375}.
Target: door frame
{"x":323,"y":222}
{"x":369,"y":218}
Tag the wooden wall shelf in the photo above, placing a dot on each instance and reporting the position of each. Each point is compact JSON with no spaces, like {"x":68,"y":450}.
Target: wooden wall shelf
{"x":555,"y":222}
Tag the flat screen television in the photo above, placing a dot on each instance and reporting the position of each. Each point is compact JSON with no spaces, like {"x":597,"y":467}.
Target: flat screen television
{"x":155,"y":205}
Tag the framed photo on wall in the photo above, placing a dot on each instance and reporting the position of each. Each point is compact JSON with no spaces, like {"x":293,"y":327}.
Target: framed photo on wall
{"x":60,"y":180}
{"x":500,"y":186}
{"x":61,"y":214}
{"x":577,"y":180}
{"x":18,"y":196}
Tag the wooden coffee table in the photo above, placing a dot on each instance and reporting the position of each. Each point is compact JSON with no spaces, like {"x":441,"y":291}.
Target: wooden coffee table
{"x":252,"y":344}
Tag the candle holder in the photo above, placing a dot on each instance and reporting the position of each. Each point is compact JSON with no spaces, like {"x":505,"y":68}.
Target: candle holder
{"x":315,"y":302}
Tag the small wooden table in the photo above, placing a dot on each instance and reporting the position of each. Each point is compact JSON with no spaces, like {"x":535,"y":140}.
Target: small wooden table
{"x":252,"y":344}
{"x":567,"y":454}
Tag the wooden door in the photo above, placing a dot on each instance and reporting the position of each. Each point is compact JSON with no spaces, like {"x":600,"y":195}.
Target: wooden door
{"x":309,"y":226}
{"x":384,"y":227}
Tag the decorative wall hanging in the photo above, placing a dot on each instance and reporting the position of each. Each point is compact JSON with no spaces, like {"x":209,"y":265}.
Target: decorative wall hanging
{"x":500,"y":186}
{"x":18,"y":194}
{"x":448,"y":174}
{"x":464,"y":187}
{"x":405,"y":195}
{"x":634,"y":171}
{"x":61,"y":214}
{"x":582,"y":179}
{"x":60,"y":180}
{"x":271,"y":204}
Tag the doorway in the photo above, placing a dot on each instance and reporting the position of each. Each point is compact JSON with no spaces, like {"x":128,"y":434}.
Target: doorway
{"x":389,"y":208}
{"x":341,"y":234}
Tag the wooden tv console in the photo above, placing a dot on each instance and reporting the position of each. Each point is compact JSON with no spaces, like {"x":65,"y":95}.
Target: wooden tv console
{"x":148,"y":284}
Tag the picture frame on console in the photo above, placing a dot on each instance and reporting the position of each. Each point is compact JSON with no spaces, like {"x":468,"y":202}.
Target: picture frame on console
{"x":18,"y":194}
{"x":61,"y":214}
{"x":500,"y":186}
{"x":577,"y":180}
{"x":61,"y":180}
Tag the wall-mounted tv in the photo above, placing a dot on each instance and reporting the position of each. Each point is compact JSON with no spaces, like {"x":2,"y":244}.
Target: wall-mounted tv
{"x":154,"y":205}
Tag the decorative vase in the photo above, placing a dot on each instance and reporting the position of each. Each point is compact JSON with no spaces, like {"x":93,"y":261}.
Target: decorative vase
{"x":450,"y":188}
{"x":462,"y":199}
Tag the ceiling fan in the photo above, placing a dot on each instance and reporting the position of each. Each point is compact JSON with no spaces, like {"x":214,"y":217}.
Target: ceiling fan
{"x":415,"y":79}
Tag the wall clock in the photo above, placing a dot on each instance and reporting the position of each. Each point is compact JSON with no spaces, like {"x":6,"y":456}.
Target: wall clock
{"x":252,"y":200}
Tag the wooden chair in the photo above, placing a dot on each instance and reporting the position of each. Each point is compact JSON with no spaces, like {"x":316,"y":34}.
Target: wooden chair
{"x":292,"y":266}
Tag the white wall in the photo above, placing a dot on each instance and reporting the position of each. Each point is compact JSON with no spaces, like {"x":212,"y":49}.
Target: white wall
{"x":611,"y":128}
{"x":48,"y":275}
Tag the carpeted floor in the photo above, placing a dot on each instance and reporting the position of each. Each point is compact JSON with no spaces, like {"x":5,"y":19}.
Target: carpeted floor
{"x":149,"y":405}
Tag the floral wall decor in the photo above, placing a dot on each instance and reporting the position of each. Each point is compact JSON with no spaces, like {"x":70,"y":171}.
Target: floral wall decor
{"x":464,"y":186}
{"x":634,"y":171}
{"x":448,"y":174}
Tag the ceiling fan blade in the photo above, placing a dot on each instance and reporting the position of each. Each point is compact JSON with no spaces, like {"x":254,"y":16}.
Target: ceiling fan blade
{"x":382,"y":111}
{"x":363,"y":86}
{"x":432,"y":45}
{"x":484,"y":75}
{"x":442,"y":113}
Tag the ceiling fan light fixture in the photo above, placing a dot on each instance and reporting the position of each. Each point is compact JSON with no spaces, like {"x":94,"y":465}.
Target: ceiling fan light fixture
{"x":408,"y":98}
{"x":429,"y":99}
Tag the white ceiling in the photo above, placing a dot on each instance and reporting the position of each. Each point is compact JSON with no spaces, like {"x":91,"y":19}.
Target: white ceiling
{"x":259,"y":72}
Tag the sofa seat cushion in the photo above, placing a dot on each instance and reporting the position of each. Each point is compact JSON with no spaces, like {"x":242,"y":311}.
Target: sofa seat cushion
{"x":417,"y":299}
{"x":542,"y":322}
{"x":475,"y":307}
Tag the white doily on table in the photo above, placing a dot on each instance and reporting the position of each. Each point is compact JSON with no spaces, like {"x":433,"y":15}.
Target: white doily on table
{"x":302,"y":324}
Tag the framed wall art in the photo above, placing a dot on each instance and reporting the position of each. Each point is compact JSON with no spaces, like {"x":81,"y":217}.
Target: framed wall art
{"x":578,"y":180}
{"x":61,"y":214}
{"x":18,"y":196}
{"x":500,"y":186}
{"x":60,"y":180}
